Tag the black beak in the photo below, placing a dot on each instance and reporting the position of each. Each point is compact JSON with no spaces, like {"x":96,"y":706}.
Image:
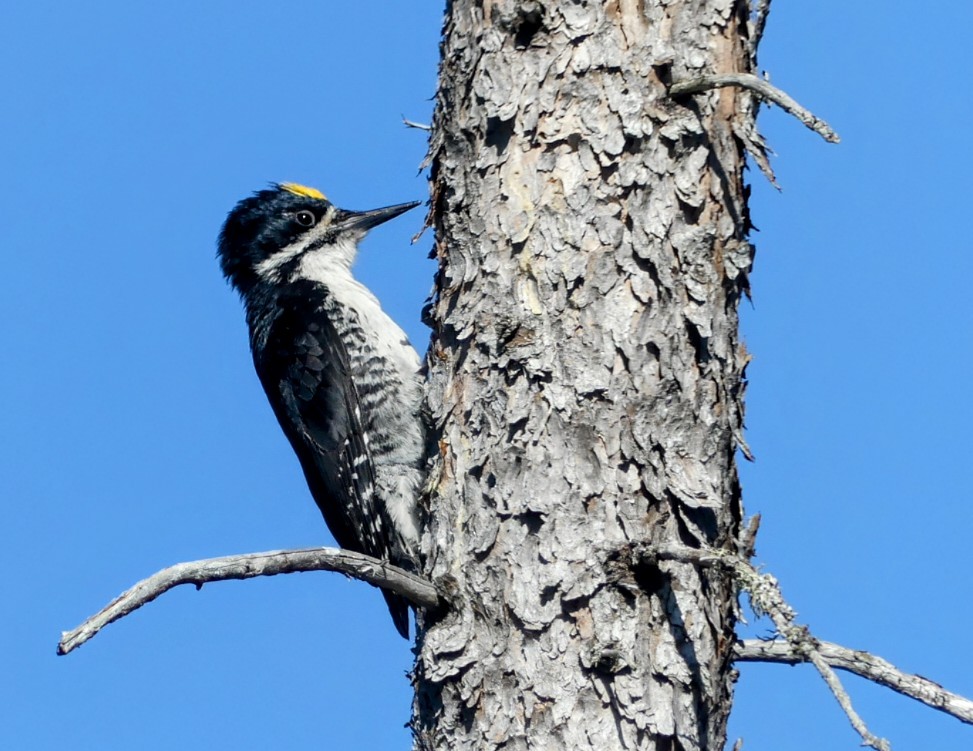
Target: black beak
{"x":362,"y":221}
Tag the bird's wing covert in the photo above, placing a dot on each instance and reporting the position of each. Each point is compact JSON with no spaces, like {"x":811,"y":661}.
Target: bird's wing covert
{"x":305,"y":370}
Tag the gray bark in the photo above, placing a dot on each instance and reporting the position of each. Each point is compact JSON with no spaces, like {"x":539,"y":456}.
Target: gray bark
{"x":586,"y":380}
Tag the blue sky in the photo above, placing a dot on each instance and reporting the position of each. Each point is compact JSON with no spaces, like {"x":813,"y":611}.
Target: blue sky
{"x":136,"y":434}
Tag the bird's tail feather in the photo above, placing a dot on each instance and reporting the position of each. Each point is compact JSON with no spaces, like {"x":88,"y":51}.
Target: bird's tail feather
{"x":399,"y":608}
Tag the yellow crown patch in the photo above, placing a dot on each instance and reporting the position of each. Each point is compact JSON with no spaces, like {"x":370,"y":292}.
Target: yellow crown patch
{"x":302,"y":190}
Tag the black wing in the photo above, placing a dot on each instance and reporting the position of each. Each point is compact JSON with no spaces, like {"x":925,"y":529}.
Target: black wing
{"x":305,"y":371}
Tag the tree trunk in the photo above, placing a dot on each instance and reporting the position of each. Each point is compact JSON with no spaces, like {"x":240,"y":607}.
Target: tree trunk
{"x":586,"y":378}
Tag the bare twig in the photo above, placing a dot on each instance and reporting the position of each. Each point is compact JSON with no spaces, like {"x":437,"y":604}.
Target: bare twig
{"x":867,"y":666}
{"x":767,"y":599}
{"x":414,"y":124}
{"x":417,"y":590}
{"x":761,"y":88}
{"x":834,"y":683}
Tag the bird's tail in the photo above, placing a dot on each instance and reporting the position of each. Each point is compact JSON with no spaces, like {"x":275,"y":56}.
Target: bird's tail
{"x":399,"y":608}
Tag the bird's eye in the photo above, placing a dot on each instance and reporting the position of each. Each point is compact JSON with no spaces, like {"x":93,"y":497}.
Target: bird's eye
{"x":306,"y":218}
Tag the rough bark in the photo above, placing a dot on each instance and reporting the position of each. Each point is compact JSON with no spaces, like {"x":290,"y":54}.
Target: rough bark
{"x":587,"y":376}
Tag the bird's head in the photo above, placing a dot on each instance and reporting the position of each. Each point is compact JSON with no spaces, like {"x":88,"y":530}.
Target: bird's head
{"x":266,"y":236}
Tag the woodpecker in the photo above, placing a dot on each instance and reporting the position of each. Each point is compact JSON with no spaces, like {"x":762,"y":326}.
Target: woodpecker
{"x":340,"y":375}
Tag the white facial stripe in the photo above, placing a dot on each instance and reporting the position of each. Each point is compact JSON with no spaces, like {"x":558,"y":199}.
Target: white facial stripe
{"x":269,"y":268}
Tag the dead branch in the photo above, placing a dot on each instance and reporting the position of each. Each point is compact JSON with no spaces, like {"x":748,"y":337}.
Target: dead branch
{"x":413,"y":124}
{"x":867,"y":666}
{"x":417,"y":590}
{"x":762,"y":89}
